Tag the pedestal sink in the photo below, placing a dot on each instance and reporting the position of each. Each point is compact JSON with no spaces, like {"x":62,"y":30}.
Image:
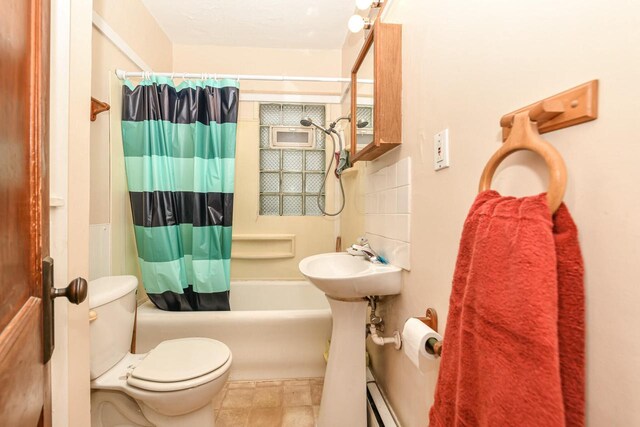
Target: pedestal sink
{"x":346,"y":280}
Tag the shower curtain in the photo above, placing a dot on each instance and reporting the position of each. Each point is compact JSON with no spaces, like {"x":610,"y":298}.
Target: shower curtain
{"x":179,"y":147}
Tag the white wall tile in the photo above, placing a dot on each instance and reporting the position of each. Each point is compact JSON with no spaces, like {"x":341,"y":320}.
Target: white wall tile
{"x":400,"y":253}
{"x":371,"y":203}
{"x":394,"y":251}
{"x":379,"y":224}
{"x":379,"y":180}
{"x":403,"y":199}
{"x":391,"y":201}
{"x":387,"y":211}
{"x":382,"y":202}
{"x":403,"y":172}
{"x":368,"y":219}
{"x":368,"y":184}
{"x":376,"y":242}
{"x":395,"y":228}
{"x":368,"y":170}
{"x":373,"y":224}
{"x":402,"y":227}
{"x":391,"y":176}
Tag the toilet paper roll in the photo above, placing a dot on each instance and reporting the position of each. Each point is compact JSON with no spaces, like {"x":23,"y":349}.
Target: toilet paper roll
{"x":414,"y":340}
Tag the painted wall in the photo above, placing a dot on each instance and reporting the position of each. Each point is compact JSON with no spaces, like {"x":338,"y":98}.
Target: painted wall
{"x":148,"y":40}
{"x":250,"y":60}
{"x":465,"y":64}
{"x":111,"y":224}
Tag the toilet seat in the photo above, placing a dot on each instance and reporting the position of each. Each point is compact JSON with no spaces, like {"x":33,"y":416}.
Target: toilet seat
{"x":180,"y":364}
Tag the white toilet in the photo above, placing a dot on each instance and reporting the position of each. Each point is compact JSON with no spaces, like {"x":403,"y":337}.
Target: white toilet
{"x":172,"y":385}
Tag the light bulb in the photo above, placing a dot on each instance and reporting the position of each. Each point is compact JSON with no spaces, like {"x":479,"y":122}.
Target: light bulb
{"x":356,"y":23}
{"x":363,"y":4}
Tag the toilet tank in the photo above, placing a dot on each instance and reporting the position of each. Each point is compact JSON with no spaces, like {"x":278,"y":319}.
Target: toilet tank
{"x":112,"y":305}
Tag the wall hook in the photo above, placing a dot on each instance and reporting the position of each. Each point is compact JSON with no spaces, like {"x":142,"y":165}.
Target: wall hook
{"x":98,"y":107}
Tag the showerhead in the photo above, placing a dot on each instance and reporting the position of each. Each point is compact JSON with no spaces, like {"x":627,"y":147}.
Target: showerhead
{"x":306,"y":121}
{"x":359,"y":124}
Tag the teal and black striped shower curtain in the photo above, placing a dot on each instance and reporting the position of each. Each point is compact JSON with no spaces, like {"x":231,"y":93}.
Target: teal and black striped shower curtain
{"x":179,"y":147}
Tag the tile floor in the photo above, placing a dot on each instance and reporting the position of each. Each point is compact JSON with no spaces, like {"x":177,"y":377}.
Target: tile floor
{"x":285,"y":403}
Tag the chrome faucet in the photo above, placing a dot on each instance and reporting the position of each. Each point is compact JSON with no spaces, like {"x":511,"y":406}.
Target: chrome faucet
{"x":363,"y":248}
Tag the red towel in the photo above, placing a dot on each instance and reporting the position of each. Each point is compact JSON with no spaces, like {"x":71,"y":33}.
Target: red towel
{"x":513,"y":352}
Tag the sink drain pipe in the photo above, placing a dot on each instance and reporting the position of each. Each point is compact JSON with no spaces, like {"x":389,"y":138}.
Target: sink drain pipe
{"x":374,"y":321}
{"x":377,"y":339}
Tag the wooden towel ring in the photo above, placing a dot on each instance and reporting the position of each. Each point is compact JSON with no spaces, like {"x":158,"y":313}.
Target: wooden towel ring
{"x":524,"y":136}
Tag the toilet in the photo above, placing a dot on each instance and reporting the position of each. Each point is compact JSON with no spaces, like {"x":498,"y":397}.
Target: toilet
{"x":172,"y":385}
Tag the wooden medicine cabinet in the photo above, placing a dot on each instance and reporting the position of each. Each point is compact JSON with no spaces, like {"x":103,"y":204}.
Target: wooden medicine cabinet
{"x":376,"y":94}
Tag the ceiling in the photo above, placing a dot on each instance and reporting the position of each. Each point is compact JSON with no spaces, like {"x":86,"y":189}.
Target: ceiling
{"x":292,"y":24}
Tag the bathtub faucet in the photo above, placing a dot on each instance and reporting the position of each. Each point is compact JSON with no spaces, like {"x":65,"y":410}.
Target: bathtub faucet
{"x":363,"y":248}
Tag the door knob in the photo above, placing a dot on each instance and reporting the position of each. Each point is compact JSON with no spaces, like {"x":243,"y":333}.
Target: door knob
{"x":76,"y":291}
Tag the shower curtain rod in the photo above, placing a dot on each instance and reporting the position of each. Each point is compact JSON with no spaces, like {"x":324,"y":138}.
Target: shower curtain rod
{"x":124,"y":74}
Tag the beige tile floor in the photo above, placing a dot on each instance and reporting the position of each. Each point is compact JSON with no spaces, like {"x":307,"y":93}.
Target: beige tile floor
{"x":285,"y":403}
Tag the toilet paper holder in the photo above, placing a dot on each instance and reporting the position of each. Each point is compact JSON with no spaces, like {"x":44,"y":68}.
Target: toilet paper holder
{"x":433,"y":345}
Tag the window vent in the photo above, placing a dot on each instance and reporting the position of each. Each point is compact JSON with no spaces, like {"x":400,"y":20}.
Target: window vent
{"x":292,"y":137}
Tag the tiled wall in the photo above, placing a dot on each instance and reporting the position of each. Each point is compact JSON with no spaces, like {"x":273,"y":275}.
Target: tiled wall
{"x":388,"y":211}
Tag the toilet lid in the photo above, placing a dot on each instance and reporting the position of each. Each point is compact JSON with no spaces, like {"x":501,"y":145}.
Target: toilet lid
{"x":181,"y":360}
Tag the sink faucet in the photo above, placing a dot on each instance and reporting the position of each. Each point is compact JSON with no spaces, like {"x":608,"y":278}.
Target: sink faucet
{"x":362,"y":248}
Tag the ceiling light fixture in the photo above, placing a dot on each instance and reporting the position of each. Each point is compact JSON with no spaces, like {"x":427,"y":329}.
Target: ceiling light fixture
{"x":357,"y":23}
{"x":366,"y":4}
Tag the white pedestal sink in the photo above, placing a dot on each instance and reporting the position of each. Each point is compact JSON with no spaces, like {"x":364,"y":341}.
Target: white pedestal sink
{"x":346,"y":280}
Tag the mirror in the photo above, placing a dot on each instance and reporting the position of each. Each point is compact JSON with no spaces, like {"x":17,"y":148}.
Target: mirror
{"x":364,"y":102}
{"x":376,"y":94}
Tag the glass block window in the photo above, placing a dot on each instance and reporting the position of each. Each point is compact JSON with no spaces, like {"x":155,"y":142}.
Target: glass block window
{"x":291,"y":178}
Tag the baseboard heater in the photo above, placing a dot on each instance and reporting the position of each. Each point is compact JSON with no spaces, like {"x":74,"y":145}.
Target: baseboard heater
{"x":379,"y":412}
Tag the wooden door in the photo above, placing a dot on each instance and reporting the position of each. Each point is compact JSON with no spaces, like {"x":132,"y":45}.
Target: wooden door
{"x":24,"y":207}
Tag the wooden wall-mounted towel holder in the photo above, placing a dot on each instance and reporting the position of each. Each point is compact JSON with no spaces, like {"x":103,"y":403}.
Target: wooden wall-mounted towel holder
{"x":521,"y":130}
{"x":571,"y":107}
{"x":98,"y":107}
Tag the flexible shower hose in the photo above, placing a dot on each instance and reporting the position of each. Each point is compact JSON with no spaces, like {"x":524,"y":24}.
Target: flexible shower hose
{"x":326,"y":175}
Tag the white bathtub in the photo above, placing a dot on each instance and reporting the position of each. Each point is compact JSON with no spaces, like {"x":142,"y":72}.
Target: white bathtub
{"x":276,"y":329}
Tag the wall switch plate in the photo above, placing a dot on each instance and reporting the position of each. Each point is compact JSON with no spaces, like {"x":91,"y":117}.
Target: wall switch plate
{"x":441,"y":150}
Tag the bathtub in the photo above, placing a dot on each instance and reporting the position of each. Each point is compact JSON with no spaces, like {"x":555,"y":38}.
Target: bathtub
{"x":276,"y":329}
